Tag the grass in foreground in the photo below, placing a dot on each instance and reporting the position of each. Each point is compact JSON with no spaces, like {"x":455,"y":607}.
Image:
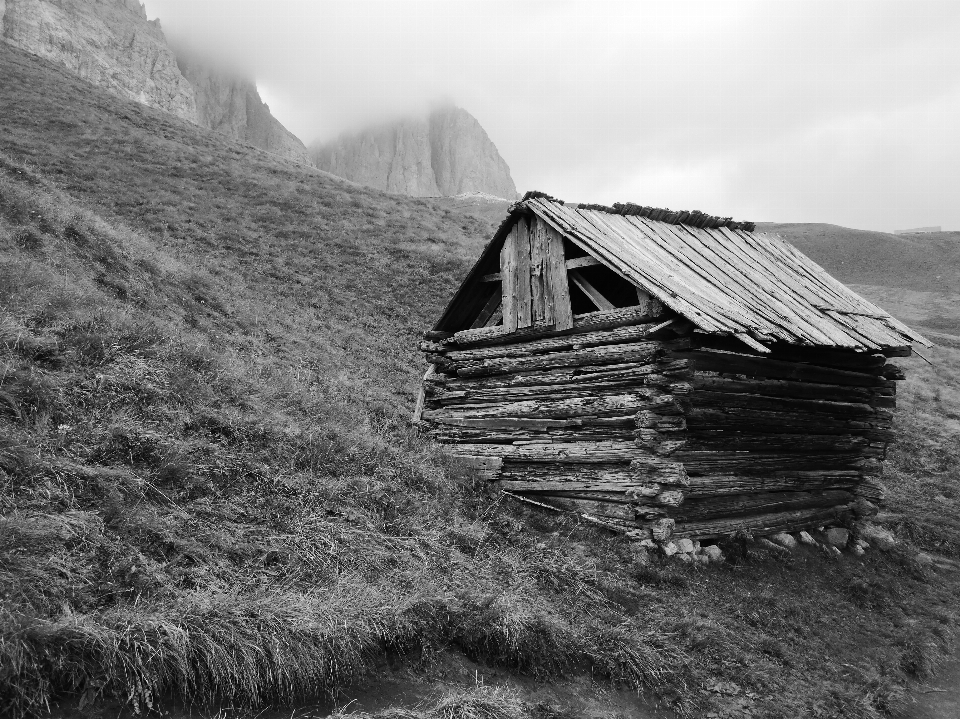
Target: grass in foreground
{"x":209,"y":491}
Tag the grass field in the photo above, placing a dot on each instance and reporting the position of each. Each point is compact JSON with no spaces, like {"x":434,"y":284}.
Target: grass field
{"x":210,"y":492}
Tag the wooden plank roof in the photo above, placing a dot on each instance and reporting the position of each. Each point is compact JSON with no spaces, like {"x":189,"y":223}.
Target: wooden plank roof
{"x":721,"y":275}
{"x":724,"y":277}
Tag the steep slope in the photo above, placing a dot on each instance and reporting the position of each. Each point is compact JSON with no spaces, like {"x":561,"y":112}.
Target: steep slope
{"x":107,"y":42}
{"x":446,"y":153}
{"x":231,"y":105}
{"x":210,"y":492}
{"x":111,"y":44}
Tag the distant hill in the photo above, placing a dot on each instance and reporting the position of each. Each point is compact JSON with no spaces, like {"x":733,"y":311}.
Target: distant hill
{"x":446,"y":153}
{"x":915,"y":277}
{"x":929,"y":262}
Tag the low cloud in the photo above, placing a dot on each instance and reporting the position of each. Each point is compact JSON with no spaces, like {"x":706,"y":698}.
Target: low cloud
{"x":837,"y":111}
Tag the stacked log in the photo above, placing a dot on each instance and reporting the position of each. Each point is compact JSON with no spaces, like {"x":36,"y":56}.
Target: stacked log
{"x":637,"y":423}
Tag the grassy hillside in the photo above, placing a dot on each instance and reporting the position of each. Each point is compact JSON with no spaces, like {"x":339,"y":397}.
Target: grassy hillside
{"x":918,"y":262}
{"x":210,"y":492}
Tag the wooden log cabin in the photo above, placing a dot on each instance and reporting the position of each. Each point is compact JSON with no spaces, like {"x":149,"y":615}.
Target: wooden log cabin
{"x":664,"y":374}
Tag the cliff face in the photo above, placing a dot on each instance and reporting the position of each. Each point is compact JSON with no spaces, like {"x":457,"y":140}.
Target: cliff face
{"x":232,"y":106}
{"x":447,"y":153}
{"x":107,"y":42}
{"x":111,"y":43}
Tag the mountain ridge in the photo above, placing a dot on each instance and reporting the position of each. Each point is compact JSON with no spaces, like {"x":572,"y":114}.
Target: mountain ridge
{"x":112,"y":44}
{"x":446,"y":153}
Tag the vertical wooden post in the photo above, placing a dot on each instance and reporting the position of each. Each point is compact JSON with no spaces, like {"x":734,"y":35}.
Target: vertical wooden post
{"x":557,"y":284}
{"x":508,"y":284}
{"x":542,"y":310}
{"x":524,"y":315}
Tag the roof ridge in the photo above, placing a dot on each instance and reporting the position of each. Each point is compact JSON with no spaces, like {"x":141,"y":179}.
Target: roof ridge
{"x":694,"y":218}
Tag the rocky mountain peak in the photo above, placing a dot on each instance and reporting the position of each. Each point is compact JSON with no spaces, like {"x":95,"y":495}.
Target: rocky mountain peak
{"x":109,"y":43}
{"x":445,"y":153}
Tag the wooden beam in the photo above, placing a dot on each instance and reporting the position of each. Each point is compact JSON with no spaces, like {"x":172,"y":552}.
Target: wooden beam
{"x":508,"y":269}
{"x":570,"y":265}
{"x":541,"y":309}
{"x":522,"y":278}
{"x":557,"y":285}
{"x":582,"y":262}
{"x":601,"y":302}
{"x":493,"y":304}
{"x":495,"y":317}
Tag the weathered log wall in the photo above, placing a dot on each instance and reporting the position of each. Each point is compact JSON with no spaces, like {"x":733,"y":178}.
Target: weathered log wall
{"x":623,"y":420}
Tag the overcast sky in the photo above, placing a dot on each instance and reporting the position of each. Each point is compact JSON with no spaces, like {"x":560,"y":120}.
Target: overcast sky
{"x":837,"y":111}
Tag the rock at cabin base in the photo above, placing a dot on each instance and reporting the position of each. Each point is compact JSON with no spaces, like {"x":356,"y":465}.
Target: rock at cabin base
{"x":713,"y":553}
{"x":669,"y":549}
{"x":878,"y":537}
{"x":784,"y":540}
{"x":683,"y":557}
{"x":806,"y":538}
{"x":765,"y":543}
{"x":857,"y":550}
{"x":838,"y":537}
{"x":685,"y":546}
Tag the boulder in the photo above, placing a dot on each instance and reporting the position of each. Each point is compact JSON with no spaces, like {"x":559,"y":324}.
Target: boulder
{"x":713,"y":553}
{"x":685,"y":546}
{"x":878,"y":537}
{"x":669,"y":548}
{"x":837,"y":537}
{"x":806,"y":538}
{"x":784,"y":540}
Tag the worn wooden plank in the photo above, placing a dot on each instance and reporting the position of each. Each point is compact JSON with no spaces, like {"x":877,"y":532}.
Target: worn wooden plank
{"x":838,"y":358}
{"x":438,"y":396}
{"x":612,"y":510}
{"x":647,"y":470}
{"x":778,"y":443}
{"x":587,"y":322}
{"x":716,"y":486}
{"x":761,"y":524}
{"x":703,"y":462}
{"x":541,"y":308}
{"x":524,"y":300}
{"x":609,"y":354}
{"x":727,"y":363}
{"x":784,"y":388}
{"x":618,"y":335}
{"x":601,"y":302}
{"x":621,"y":405}
{"x":557,"y":286}
{"x":704,"y":398}
{"x":630,"y":490}
{"x":508,"y":269}
{"x":566,"y":453}
{"x":586,"y":261}
{"x":450,"y":434}
{"x":695,"y":510}
{"x":764,"y":422}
